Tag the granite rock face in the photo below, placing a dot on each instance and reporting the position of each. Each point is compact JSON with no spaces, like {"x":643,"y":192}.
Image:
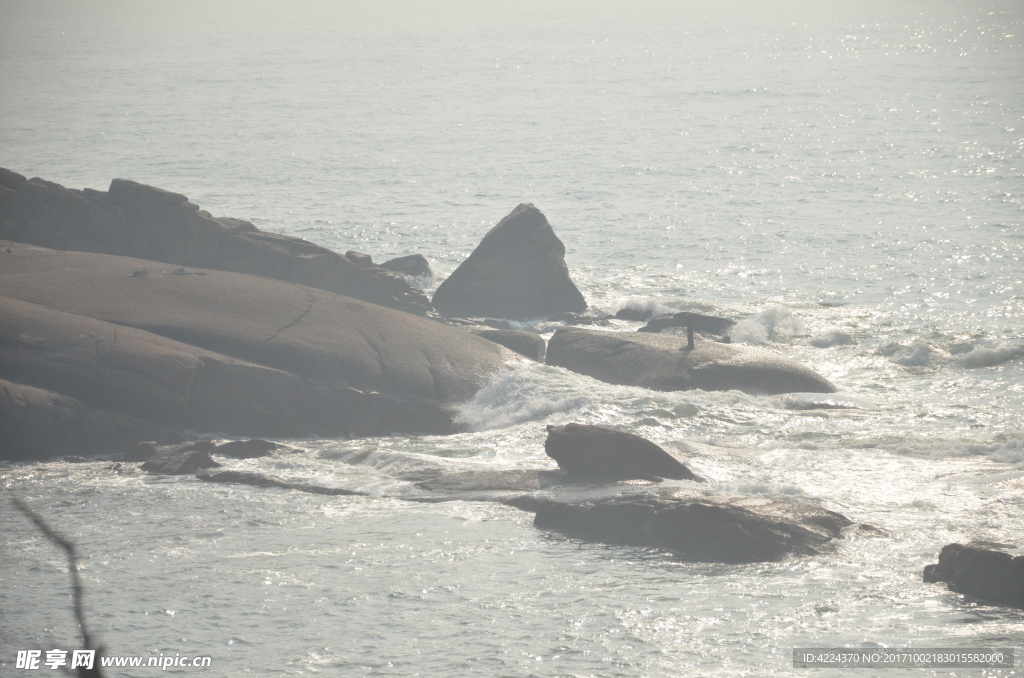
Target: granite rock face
{"x":517,"y":271}
{"x":663,"y":363}
{"x":695,"y":526}
{"x":134,"y":220}
{"x":413,"y":265}
{"x":527,"y":344}
{"x":981,"y":572}
{"x":227,"y":352}
{"x":37,"y":424}
{"x":602,"y":453}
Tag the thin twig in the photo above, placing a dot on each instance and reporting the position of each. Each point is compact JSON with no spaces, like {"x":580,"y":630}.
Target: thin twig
{"x":76,"y":580}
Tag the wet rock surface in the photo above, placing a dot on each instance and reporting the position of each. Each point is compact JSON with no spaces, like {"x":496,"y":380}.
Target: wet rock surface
{"x":663,"y":363}
{"x":694,"y":525}
{"x":527,"y":344}
{"x":517,"y":271}
{"x":602,"y":453}
{"x":980,"y":571}
{"x":179,"y":462}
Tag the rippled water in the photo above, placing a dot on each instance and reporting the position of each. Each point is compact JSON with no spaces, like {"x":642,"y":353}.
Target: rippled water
{"x":845,"y":181}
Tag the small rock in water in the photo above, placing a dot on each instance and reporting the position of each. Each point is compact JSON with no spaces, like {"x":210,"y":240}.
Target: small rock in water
{"x":72,"y":459}
{"x":140,"y":273}
{"x":413,"y":265}
{"x":604,"y":453}
{"x":981,"y":572}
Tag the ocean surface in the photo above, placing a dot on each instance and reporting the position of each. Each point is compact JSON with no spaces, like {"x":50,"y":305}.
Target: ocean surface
{"x":845,"y":179}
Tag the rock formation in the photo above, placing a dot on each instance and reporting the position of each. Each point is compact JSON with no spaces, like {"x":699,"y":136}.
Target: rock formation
{"x":528,"y":344}
{"x":663,"y":363}
{"x":413,"y":265}
{"x":517,"y":271}
{"x":602,"y":453}
{"x":979,"y":571}
{"x":694,"y":525}
{"x":227,"y":352}
{"x":134,"y":220}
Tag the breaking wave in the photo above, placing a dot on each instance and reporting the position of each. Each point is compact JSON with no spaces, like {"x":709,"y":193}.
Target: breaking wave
{"x":990,"y":357}
{"x":773,"y":324}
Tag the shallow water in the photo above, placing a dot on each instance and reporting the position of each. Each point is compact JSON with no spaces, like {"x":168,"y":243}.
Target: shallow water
{"x":844,"y":181}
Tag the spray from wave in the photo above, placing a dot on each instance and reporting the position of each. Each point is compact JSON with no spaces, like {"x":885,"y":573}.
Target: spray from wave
{"x":776,"y":323}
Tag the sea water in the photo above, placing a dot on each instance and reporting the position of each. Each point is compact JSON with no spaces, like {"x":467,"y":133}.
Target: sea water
{"x":845,"y":180}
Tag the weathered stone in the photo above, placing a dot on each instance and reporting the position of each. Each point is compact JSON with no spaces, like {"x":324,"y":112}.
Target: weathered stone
{"x":231,"y":353}
{"x":627,"y":313}
{"x":528,"y":344}
{"x":663,"y":363}
{"x":517,"y":271}
{"x":695,"y":526}
{"x":604,"y":453}
{"x":981,"y":572}
{"x":37,"y":424}
{"x":132,"y":219}
{"x":179,"y":462}
{"x":413,"y":265}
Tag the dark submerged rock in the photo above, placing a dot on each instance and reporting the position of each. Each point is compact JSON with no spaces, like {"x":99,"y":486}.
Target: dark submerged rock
{"x":262,"y":480}
{"x":979,"y":571}
{"x":696,"y":526}
{"x":599,"y":452}
{"x":141,"y":451}
{"x":528,"y":344}
{"x":663,"y":363}
{"x":517,"y":271}
{"x":179,"y":462}
{"x":413,"y":265}
{"x":132,"y":219}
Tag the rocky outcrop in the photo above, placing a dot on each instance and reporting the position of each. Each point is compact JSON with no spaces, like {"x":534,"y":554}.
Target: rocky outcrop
{"x":981,"y":572}
{"x":413,"y":265}
{"x":517,"y":271}
{"x":528,"y":344}
{"x":37,"y":424}
{"x":226,"y":352}
{"x":134,"y":220}
{"x":602,"y":453}
{"x":248,"y":449}
{"x":663,"y":363}
{"x":694,"y":526}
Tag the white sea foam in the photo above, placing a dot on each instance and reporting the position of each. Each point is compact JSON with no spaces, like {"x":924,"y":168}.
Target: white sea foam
{"x":776,"y":323}
{"x":990,"y":357}
{"x":831,"y":338}
{"x":915,"y":355}
{"x":523,"y":393}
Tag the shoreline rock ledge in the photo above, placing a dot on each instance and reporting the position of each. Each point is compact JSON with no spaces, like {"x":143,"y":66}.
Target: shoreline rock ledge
{"x":517,"y":271}
{"x":107,"y":354}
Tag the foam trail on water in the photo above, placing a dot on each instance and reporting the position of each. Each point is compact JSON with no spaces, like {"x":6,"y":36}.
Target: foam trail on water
{"x":521,"y":394}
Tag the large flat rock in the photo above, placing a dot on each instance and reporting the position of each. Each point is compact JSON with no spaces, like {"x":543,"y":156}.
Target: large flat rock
{"x":663,"y":363}
{"x":228,"y":352}
{"x":135,"y":220}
